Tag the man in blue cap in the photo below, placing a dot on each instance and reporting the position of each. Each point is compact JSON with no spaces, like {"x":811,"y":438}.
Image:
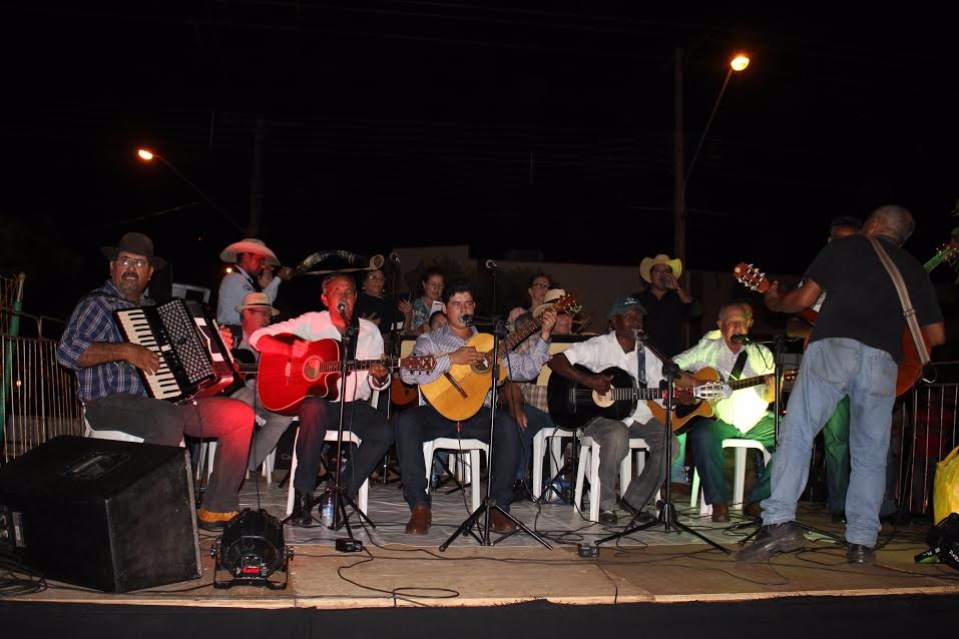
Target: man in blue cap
{"x":588,"y":364}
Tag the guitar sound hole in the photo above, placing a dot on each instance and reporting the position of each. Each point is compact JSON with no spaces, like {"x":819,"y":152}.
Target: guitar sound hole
{"x":311,"y":368}
{"x":481,"y":367}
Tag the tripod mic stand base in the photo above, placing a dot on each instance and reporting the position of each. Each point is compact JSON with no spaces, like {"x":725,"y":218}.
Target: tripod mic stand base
{"x":667,"y":517}
{"x":484,"y":538}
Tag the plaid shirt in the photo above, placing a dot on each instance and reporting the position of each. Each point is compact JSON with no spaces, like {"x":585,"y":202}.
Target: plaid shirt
{"x":442,"y":341}
{"x":92,"y":321}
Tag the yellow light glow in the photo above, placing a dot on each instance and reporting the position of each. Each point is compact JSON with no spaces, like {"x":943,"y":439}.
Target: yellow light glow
{"x":740,"y":62}
{"x":144,"y":154}
{"x":229,"y":269}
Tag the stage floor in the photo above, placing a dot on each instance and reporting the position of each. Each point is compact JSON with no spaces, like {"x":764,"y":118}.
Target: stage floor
{"x":650,"y":567}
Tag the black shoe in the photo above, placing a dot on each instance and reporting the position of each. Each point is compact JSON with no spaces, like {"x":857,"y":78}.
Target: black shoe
{"x":861,"y":555}
{"x":302,"y":505}
{"x":638,"y":516}
{"x":839,"y":518}
{"x":772,"y":539}
{"x":520,"y":492}
{"x":607,"y":517}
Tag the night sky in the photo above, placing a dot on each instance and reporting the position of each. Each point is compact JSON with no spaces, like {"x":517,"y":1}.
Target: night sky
{"x":395,"y":123}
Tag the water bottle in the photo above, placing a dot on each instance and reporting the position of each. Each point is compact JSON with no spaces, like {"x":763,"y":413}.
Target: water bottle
{"x":327,"y":504}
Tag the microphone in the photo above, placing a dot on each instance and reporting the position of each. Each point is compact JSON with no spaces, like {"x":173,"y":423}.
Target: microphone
{"x":467,"y":319}
{"x":491,"y":265}
{"x":640,"y":336}
{"x":741,"y":339}
{"x":341,"y":307}
{"x":394,"y":258}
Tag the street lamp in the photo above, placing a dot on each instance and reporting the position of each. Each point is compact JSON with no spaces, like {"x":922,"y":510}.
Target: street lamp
{"x":738,"y":63}
{"x":148,"y":156}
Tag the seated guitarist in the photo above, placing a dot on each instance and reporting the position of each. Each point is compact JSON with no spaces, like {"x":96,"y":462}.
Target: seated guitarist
{"x":621,"y":349}
{"x":742,"y":415}
{"x":423,"y":423}
{"x":317,"y":414}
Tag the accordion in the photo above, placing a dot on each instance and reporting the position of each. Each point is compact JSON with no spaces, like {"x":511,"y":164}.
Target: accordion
{"x":194,"y":362}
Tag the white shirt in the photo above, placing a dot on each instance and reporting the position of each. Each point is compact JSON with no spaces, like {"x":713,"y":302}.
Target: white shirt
{"x":316,"y":326}
{"x":745,"y":407}
{"x":599,"y":353}
{"x":233,"y":288}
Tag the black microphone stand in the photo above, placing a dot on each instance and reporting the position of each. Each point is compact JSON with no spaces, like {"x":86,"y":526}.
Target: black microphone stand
{"x":394,"y":351}
{"x":341,"y":501}
{"x":488,"y":504}
{"x":779,"y":347}
{"x":667,"y":513}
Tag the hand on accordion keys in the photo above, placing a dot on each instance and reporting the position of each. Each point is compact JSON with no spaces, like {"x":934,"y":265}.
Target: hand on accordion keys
{"x":142,"y":357}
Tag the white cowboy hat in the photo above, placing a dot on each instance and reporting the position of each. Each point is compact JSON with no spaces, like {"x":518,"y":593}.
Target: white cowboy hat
{"x":552,"y":296}
{"x":676,"y":266}
{"x":256,"y":300}
{"x":249,"y":245}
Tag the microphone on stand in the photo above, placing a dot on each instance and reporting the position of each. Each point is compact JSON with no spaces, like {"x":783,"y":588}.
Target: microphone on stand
{"x":467,"y":319}
{"x":491,"y":265}
{"x":742,"y":339}
{"x":640,"y":336}
{"x":394,"y":258}
{"x":341,"y":308}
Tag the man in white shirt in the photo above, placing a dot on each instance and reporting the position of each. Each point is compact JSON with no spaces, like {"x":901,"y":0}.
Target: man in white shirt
{"x":621,"y":349}
{"x":743,"y":415}
{"x":318,"y":415}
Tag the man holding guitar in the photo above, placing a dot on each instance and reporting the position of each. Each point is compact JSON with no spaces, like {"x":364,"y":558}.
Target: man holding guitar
{"x":853,"y":350}
{"x":291,"y":339}
{"x":588,"y":364}
{"x":449,"y":344}
{"x":743,"y":415}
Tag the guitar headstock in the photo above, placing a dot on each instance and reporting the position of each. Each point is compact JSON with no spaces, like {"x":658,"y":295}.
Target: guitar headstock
{"x":789,"y":375}
{"x":567,"y":303}
{"x":751,"y":277}
{"x":423,"y":363}
{"x":712,"y":391}
{"x":949,"y":250}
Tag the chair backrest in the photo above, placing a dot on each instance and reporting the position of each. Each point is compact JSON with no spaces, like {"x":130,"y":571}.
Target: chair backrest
{"x":554,"y":347}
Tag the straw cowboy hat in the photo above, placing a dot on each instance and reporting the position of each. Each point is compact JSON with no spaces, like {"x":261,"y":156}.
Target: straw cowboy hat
{"x":553,"y":295}
{"x":249,"y":245}
{"x":256,"y":300}
{"x":649,"y":262}
{"x":136,"y":243}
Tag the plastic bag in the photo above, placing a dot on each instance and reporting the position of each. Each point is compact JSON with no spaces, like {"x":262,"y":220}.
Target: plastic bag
{"x":945,"y":488}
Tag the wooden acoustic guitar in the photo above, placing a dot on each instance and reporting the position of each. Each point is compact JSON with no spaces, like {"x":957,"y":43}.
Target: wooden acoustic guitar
{"x":572,"y":405}
{"x":292,"y":369}
{"x":910,"y":368}
{"x":710,"y":378}
{"x":459,"y":393}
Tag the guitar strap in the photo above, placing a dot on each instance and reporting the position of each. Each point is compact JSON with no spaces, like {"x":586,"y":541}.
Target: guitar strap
{"x":907,"y":309}
{"x":739,"y":365}
{"x":641,"y":364}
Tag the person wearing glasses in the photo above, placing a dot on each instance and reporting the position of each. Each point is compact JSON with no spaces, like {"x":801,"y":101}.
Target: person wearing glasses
{"x":114,"y":395}
{"x":536,"y":293}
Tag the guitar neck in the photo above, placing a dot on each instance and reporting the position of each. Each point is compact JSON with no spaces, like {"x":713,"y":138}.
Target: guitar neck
{"x":391,"y":363}
{"x":738,"y":384}
{"x":514,"y":339}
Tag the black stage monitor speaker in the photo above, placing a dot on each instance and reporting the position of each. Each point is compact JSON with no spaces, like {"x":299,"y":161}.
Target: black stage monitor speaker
{"x":109,"y":515}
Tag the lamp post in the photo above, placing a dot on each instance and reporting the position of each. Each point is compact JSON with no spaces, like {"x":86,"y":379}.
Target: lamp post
{"x":681,"y":172}
{"x":148,"y":156}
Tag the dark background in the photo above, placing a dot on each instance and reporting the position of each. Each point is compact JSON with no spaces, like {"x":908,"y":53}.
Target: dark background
{"x":386,"y":124}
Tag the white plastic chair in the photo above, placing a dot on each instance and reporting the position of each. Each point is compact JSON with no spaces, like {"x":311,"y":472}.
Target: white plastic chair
{"x":739,"y":475}
{"x":362,"y":495}
{"x":556,"y":457}
{"x":589,"y":456}
{"x":461,"y":469}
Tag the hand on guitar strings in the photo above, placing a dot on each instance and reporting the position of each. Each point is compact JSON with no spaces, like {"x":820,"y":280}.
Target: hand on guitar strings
{"x":465,"y":355}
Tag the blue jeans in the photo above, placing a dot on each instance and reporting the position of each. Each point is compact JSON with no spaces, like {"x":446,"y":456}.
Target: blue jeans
{"x":536,"y":420}
{"x":706,"y":437}
{"x":830,"y":369}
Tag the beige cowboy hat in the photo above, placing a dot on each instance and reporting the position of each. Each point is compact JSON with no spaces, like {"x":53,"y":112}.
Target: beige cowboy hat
{"x":249,"y":245}
{"x":649,"y":262}
{"x":136,"y":243}
{"x":552,"y":296}
{"x":256,"y":300}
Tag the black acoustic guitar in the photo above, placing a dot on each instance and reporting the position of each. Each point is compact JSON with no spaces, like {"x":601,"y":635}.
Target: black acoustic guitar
{"x":571,"y":404}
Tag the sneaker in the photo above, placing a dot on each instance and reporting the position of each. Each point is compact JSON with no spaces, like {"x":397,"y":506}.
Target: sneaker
{"x":772,"y":539}
{"x":210,"y":520}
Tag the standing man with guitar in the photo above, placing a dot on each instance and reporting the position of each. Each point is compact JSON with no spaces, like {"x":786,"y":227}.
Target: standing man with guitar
{"x":449,"y":344}
{"x":588,"y":363}
{"x":742,"y":415}
{"x":317,"y":414}
{"x":853,"y":350}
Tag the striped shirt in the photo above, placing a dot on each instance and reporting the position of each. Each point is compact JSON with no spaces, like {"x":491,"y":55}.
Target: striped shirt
{"x":92,"y":322}
{"x":441,"y":342}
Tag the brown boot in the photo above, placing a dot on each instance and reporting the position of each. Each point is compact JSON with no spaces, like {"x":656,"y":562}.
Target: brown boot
{"x":720,"y":513}
{"x":420,"y":519}
{"x":500,"y":523}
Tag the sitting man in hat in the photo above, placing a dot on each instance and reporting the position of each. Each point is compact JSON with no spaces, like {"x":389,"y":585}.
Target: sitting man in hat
{"x":668,"y":308}
{"x":621,"y":349}
{"x":742,"y":415}
{"x":526,"y":401}
{"x":255,"y":313}
{"x":317,"y":415}
{"x":114,"y":396}
{"x":253,"y":273}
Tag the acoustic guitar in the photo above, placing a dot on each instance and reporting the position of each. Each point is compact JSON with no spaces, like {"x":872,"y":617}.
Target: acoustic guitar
{"x":710,"y":378}
{"x":910,"y":368}
{"x":572,"y":405}
{"x":459,"y":393}
{"x":292,"y":369}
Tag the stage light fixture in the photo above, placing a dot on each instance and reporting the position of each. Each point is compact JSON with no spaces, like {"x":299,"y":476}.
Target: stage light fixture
{"x":251,"y":549}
